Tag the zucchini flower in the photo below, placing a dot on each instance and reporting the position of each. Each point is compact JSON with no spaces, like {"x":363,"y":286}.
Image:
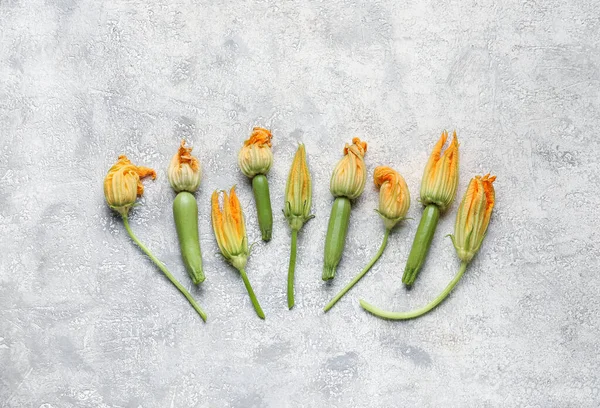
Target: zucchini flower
{"x":472,"y":220}
{"x":298,"y":198}
{"x":394,"y":201}
{"x":184,"y":175}
{"x":438,"y":188}
{"x":255,"y":160}
{"x":256,"y":156}
{"x":394,"y":198}
{"x":440,"y":178}
{"x":230,"y":232}
{"x":473,"y":217}
{"x":122,"y":186}
{"x":184,"y":170}
{"x":347,"y":183}
{"x":350,"y":174}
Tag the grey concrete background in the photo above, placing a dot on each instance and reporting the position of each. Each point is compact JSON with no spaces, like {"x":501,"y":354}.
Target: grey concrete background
{"x":87,"y":321}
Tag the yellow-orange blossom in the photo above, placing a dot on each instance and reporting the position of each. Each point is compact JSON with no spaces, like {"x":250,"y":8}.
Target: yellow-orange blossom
{"x":184,"y":171}
{"x":473,"y":216}
{"x":230,"y":229}
{"x":440,"y":178}
{"x":394,"y":197}
{"x":298,"y":191}
{"x":256,"y":156}
{"x":350,"y":174}
{"x":122,"y":184}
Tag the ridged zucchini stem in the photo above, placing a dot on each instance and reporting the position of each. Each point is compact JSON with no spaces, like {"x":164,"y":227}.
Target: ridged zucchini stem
{"x":336,"y":235}
{"x":260,"y":187}
{"x":421,"y":243}
{"x":185,"y":214}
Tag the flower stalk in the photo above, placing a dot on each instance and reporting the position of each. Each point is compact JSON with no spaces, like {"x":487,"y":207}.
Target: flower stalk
{"x":165,"y":271}
{"x":417,"y":312}
{"x":292,"y":269}
{"x":358,"y":277}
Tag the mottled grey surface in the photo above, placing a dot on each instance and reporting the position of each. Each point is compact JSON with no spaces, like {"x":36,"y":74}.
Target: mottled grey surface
{"x":87,"y":321}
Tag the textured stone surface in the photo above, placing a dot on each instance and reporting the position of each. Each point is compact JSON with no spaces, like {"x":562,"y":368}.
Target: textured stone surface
{"x":87,"y":321}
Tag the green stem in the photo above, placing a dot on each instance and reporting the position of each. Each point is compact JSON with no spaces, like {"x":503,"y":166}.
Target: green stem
{"x":336,"y":236}
{"x":361,"y":274}
{"x":418,"y":312}
{"x":291,"y":270}
{"x":421,"y":243}
{"x":164,"y":270}
{"x":185,"y":214}
{"x":255,"y":303}
{"x":262,"y":197}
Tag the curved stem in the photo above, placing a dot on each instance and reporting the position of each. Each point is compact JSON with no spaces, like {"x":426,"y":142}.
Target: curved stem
{"x":418,"y":312}
{"x":292,"y":269}
{"x":164,"y":270}
{"x":361,"y":274}
{"x":255,"y":303}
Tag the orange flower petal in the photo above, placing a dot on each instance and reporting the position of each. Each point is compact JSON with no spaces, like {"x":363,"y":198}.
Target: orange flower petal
{"x":185,"y":156}
{"x":259,"y":136}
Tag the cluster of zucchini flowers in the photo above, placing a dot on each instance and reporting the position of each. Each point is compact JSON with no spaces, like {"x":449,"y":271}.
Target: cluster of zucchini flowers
{"x":438,"y":190}
{"x":394,"y":201}
{"x":122,"y":187}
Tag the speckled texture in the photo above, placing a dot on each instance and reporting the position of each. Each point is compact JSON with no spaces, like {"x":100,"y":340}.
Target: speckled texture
{"x":87,"y":321}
